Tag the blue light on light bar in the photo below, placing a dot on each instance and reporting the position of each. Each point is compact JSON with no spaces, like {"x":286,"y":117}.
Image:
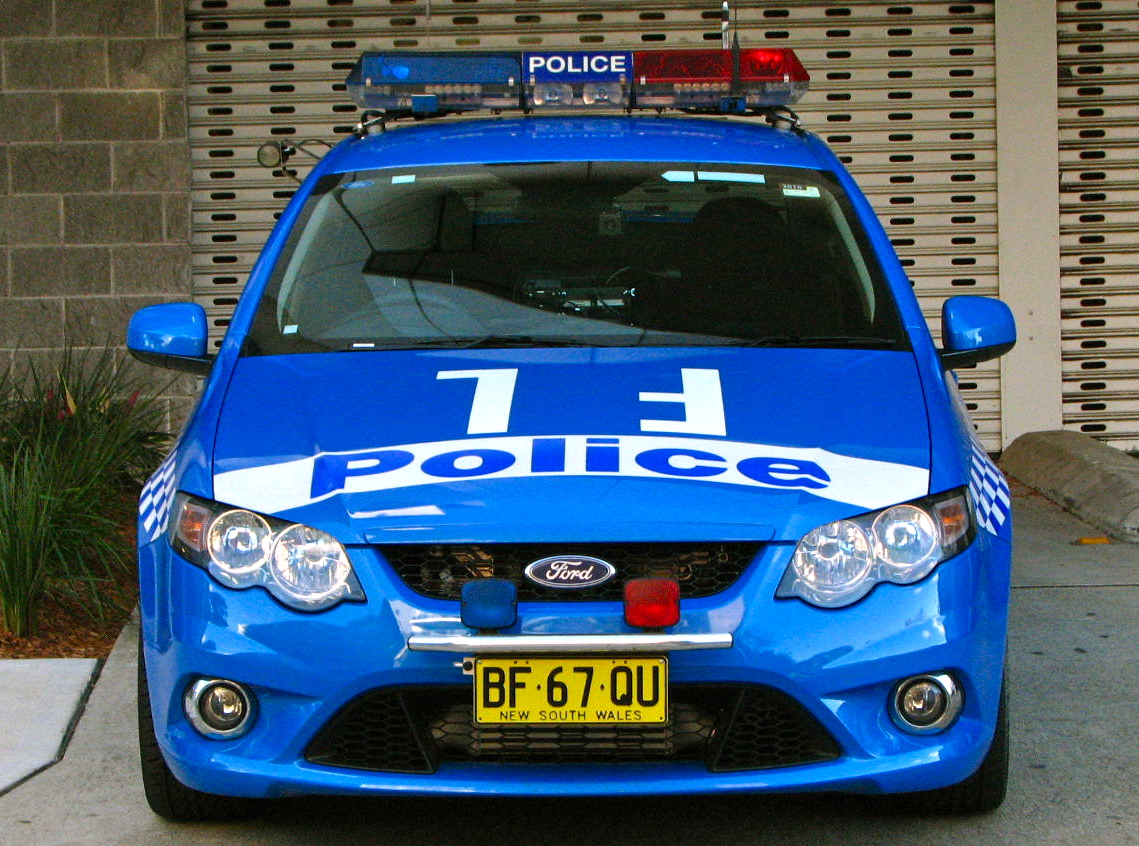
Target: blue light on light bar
{"x":435,"y":83}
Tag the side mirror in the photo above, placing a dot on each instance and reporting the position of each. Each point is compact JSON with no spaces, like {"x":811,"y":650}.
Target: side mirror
{"x":975,"y":329}
{"x":172,"y":335}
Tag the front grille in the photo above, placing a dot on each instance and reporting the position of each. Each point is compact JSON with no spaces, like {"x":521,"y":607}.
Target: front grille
{"x":728,"y":728}
{"x":439,"y":571}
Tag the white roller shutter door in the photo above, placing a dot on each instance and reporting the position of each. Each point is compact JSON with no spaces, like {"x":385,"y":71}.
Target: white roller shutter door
{"x":1099,"y":217}
{"x":904,"y":92}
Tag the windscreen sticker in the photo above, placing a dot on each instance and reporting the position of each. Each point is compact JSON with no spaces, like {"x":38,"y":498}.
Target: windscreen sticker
{"x":990,"y":492}
{"x":730,"y":176}
{"x":862,"y":482}
{"x":713,"y":176}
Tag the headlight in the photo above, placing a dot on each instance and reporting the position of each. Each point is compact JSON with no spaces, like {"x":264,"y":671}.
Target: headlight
{"x":238,"y":543}
{"x":837,"y":564}
{"x":308,"y":563}
{"x":303,"y":567}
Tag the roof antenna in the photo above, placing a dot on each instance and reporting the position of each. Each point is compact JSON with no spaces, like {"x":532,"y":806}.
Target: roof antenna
{"x":732,"y":44}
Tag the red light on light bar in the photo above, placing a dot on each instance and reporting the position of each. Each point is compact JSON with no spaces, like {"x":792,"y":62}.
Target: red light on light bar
{"x":682,"y":66}
{"x":712,"y":81}
{"x":756,"y":65}
{"x":652,"y":603}
{"x":772,"y":65}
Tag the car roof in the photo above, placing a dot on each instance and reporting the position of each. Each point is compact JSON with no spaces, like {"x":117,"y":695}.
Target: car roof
{"x":580,"y":138}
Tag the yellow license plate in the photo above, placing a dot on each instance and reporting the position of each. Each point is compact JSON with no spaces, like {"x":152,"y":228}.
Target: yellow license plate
{"x":585,"y":690}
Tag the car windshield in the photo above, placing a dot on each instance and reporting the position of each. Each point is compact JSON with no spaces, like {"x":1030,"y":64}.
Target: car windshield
{"x":575,"y":254}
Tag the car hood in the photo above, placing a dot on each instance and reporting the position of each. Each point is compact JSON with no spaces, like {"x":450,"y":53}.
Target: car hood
{"x":572,"y":444}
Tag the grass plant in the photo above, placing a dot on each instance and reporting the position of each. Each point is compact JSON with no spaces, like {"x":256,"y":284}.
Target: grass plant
{"x":26,"y":517}
{"x":77,"y":437}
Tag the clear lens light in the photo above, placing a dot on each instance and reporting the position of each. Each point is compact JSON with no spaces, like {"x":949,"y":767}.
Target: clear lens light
{"x":953,"y":519}
{"x":223,"y":707}
{"x":923,"y":703}
{"x":190,"y":527}
{"x":601,"y":93}
{"x":906,"y":537}
{"x":553,"y":94}
{"x":238,"y":543}
{"x":832,"y":561}
{"x":219,"y":709}
{"x":309,"y":565}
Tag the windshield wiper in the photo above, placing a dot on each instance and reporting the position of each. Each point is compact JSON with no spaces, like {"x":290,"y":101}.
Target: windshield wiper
{"x":524,"y":341}
{"x":374,"y":346}
{"x":519,"y":341}
{"x":484,"y":342}
{"x":839,"y":341}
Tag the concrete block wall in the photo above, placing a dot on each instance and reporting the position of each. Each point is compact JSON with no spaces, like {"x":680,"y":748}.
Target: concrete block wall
{"x":94,"y":170}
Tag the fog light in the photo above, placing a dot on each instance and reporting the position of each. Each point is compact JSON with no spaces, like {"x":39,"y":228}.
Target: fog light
{"x":927,"y":704}
{"x":219,"y":709}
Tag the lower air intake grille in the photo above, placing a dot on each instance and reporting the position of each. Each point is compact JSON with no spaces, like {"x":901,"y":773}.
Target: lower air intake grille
{"x":440,"y":570}
{"x":412,"y":730}
{"x":377,"y":731}
{"x":766,"y":728}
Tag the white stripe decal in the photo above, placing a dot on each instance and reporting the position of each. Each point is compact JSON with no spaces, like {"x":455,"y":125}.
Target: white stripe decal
{"x":866,"y":483}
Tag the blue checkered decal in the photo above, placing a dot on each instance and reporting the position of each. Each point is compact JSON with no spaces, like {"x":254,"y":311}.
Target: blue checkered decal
{"x":990,"y":492}
{"x":154,"y":503}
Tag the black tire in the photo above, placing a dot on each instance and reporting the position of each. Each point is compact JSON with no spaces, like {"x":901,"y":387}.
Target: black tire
{"x":983,"y":791}
{"x":167,"y":796}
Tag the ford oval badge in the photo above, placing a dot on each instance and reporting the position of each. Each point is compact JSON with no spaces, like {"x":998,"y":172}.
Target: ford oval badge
{"x":570,"y":571}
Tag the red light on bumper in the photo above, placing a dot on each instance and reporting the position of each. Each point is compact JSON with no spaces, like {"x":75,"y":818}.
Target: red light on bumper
{"x":652,"y":603}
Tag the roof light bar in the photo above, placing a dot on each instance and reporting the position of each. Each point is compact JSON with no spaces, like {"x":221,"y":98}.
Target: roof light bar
{"x":428,"y":84}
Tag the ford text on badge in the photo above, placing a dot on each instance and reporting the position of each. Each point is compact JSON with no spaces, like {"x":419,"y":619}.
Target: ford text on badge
{"x":570,"y":572}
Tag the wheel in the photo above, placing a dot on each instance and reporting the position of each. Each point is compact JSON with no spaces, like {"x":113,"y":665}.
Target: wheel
{"x":167,"y":796}
{"x":983,"y":791}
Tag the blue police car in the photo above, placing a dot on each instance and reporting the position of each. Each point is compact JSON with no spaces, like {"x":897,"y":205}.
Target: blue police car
{"x":575,"y":436}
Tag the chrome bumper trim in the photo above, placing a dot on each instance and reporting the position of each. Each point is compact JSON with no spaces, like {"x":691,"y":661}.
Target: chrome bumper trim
{"x":526,"y":644}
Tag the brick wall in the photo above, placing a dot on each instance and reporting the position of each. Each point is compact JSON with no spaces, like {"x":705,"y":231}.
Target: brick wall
{"x":94,"y":169}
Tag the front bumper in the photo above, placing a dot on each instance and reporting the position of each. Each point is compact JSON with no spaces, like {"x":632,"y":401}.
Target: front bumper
{"x":837,"y":666}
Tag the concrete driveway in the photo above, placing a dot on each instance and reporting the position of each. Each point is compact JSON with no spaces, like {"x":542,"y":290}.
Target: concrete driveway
{"x":1075,"y":751}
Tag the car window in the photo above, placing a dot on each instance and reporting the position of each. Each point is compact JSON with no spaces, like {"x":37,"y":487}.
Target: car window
{"x":578,"y":253}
